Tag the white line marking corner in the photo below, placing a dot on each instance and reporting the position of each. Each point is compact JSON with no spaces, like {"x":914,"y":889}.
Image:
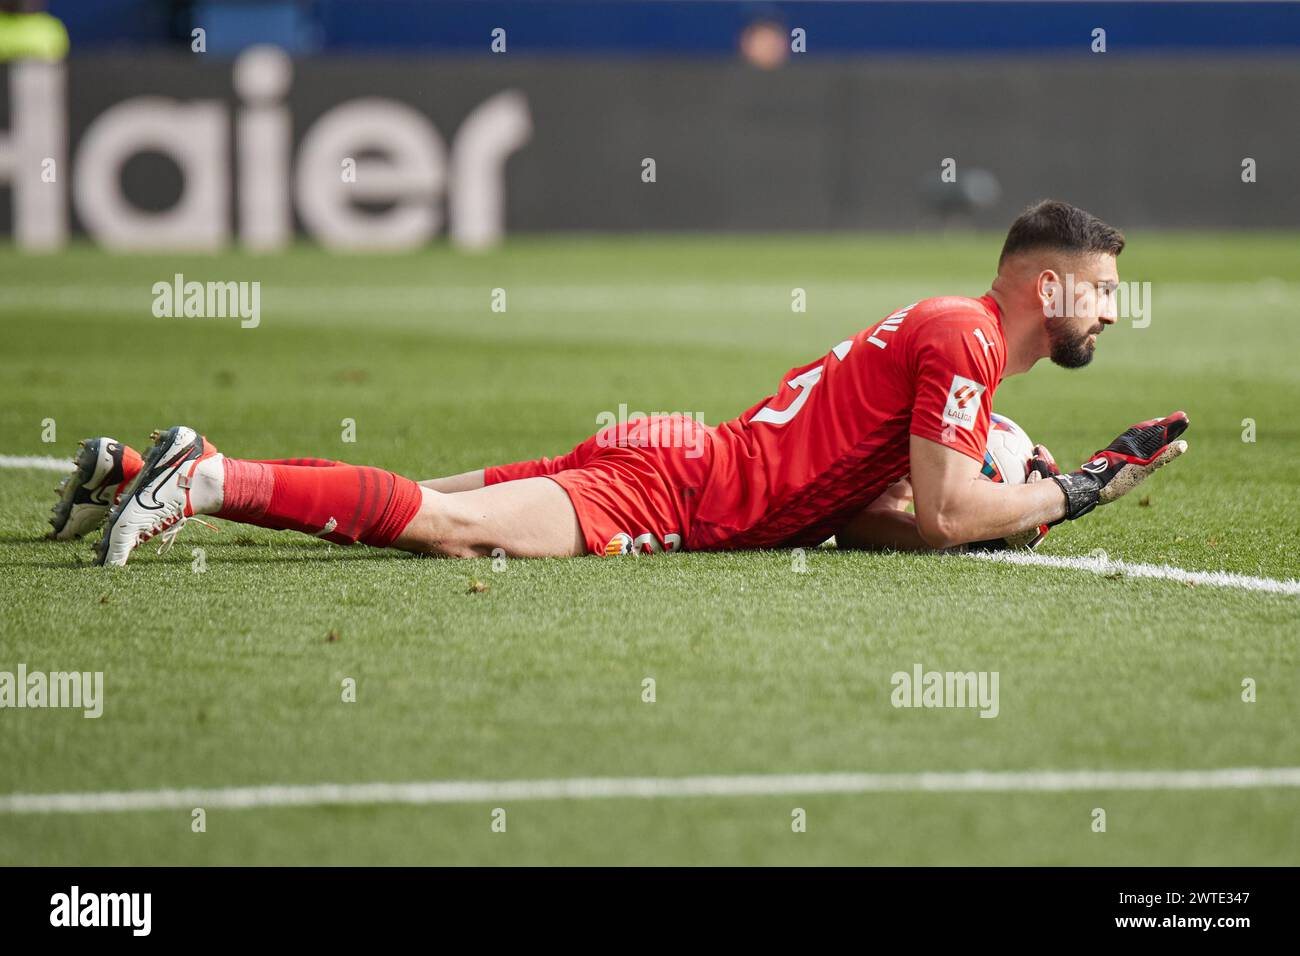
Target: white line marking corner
{"x":1166,"y":572}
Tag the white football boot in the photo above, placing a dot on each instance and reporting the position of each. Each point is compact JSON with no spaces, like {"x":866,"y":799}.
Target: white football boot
{"x":104,"y":469}
{"x":182,"y":476}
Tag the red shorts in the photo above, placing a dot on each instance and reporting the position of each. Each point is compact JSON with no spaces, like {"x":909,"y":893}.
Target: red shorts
{"x":634,"y":485}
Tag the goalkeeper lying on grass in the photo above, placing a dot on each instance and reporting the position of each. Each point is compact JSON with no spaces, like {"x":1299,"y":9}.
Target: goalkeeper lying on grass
{"x":908,"y":397}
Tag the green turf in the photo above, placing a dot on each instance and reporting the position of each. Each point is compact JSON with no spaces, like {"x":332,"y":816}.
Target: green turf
{"x":227,"y":677}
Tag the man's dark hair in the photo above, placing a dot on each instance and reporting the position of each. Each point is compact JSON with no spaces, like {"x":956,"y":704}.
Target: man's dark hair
{"x":1052,"y":224}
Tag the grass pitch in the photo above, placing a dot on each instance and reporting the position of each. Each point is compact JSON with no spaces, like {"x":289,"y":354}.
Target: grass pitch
{"x":233,"y":676}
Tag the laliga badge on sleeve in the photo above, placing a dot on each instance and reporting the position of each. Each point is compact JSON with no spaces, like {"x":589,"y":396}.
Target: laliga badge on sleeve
{"x":963,"y":403}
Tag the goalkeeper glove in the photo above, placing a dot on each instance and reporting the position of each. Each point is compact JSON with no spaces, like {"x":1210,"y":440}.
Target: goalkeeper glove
{"x":1122,"y":465}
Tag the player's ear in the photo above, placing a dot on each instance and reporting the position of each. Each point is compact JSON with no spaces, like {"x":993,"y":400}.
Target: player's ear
{"x":1050,"y":293}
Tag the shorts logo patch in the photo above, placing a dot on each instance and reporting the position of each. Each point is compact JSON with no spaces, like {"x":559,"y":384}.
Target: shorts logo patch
{"x":645,"y":543}
{"x":619,"y":544}
{"x":963,"y":405}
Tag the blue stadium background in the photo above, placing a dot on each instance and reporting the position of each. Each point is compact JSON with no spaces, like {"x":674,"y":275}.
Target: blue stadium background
{"x":567,"y":27}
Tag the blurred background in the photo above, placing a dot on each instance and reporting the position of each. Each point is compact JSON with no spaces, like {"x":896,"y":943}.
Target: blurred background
{"x":390,"y":124}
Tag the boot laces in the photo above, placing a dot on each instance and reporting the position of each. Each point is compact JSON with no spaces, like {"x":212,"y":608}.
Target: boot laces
{"x":167,"y":526}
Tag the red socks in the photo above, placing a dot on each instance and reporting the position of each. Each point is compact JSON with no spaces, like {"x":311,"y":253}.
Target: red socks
{"x":331,"y":500}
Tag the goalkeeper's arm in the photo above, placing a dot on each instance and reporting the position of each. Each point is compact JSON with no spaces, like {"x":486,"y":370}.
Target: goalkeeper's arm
{"x":954,"y":507}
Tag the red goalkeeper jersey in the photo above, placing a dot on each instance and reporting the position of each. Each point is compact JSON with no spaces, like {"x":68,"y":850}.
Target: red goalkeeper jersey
{"x":798,"y":465}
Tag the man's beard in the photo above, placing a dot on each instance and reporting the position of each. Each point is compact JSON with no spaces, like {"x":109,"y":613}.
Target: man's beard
{"x":1069,"y":349}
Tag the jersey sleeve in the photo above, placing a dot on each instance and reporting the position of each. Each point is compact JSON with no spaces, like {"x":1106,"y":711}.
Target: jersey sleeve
{"x":957,"y":361}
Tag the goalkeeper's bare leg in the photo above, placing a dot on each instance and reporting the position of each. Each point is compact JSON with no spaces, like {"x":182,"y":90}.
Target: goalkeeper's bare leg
{"x":528,"y":518}
{"x":452,"y":484}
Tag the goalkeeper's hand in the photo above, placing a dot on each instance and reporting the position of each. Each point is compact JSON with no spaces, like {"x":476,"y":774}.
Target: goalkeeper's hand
{"x":1122,"y":465}
{"x":1041,"y":465}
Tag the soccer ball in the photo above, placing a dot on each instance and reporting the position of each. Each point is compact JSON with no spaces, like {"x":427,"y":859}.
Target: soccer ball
{"x":1007,"y":454}
{"x":1006,"y":459}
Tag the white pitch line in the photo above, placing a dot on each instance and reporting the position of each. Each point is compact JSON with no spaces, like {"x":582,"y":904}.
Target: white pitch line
{"x":1166,"y":572}
{"x":595,"y":788}
{"x":35,"y":462}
